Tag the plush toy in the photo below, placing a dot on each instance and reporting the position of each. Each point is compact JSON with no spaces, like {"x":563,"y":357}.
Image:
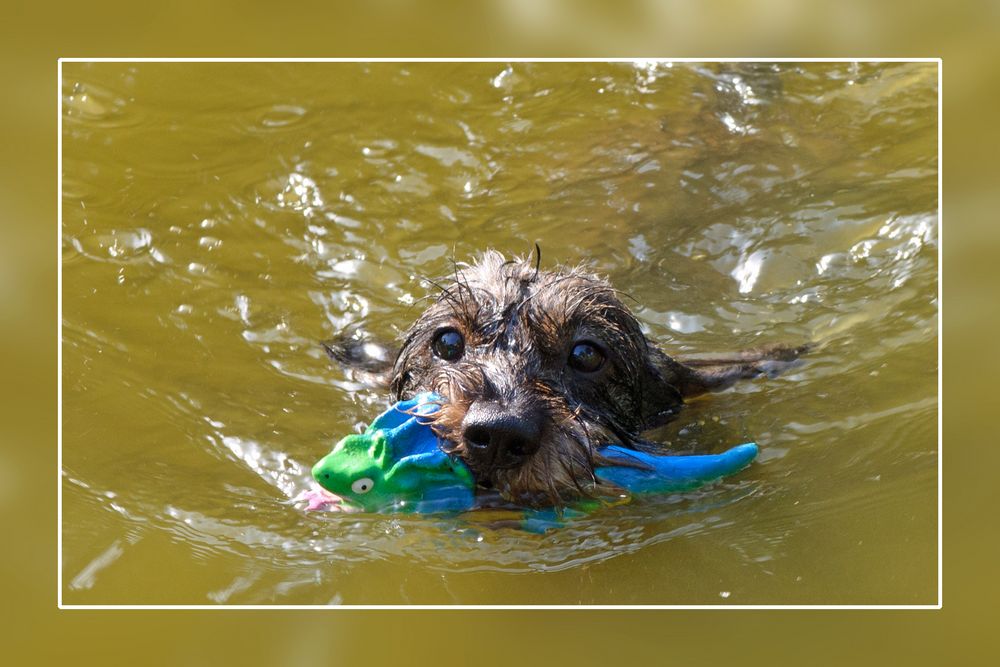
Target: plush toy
{"x":397,"y":465}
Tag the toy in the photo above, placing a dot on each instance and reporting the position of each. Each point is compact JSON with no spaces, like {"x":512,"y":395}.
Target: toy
{"x":397,"y":465}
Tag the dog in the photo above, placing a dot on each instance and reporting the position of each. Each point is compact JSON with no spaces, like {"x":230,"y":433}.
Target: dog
{"x":538,"y":368}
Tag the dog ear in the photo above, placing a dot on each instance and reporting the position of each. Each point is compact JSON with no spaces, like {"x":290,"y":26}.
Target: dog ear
{"x":359,"y":353}
{"x":365,"y":361}
{"x":659,"y":392}
{"x":718,"y":372}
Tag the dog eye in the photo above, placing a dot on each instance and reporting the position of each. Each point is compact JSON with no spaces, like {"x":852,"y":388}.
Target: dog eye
{"x":586,"y":357}
{"x":448,"y":344}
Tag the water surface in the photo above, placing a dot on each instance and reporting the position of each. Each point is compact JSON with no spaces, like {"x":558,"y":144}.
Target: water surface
{"x":221,"y":218}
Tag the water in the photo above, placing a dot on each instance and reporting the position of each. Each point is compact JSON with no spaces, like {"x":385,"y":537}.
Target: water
{"x":220,"y":219}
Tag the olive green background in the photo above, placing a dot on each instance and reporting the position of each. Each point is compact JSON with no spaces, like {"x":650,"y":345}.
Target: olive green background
{"x":36,"y":632}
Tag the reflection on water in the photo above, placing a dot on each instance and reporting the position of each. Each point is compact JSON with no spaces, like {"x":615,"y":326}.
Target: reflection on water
{"x":220,"y":219}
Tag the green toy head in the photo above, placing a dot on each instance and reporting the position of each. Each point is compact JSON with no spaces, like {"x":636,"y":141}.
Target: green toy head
{"x":356,"y":470}
{"x":397,"y":469}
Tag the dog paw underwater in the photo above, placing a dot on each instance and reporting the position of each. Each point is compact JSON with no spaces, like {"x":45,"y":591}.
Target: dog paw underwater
{"x":400,"y":465}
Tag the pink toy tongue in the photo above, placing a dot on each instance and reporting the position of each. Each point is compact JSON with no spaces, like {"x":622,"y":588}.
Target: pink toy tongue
{"x":318,"y":498}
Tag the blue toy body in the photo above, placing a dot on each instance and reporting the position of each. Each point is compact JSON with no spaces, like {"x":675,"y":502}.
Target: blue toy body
{"x":672,"y":473}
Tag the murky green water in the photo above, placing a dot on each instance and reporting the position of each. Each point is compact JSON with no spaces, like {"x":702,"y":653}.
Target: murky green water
{"x":220,"y":219}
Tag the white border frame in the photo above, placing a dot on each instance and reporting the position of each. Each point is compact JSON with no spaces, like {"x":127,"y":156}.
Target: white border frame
{"x":59,"y":302}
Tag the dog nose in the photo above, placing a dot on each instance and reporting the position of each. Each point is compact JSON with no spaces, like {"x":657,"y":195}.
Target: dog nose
{"x":497,"y":437}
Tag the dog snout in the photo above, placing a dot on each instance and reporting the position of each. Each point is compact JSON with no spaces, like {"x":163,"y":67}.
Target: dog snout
{"x":499,"y":437}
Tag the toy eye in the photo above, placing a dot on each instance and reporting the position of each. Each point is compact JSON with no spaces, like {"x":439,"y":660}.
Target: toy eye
{"x":586,"y":357}
{"x":448,"y":344}
{"x":363,"y":485}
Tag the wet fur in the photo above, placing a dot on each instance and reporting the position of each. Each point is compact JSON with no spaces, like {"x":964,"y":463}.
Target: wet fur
{"x":519,"y":325}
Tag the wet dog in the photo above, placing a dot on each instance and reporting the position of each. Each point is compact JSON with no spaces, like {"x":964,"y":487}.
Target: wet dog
{"x":538,"y":369}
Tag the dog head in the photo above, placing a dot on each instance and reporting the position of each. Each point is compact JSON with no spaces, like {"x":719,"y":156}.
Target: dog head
{"x":538,"y":369}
